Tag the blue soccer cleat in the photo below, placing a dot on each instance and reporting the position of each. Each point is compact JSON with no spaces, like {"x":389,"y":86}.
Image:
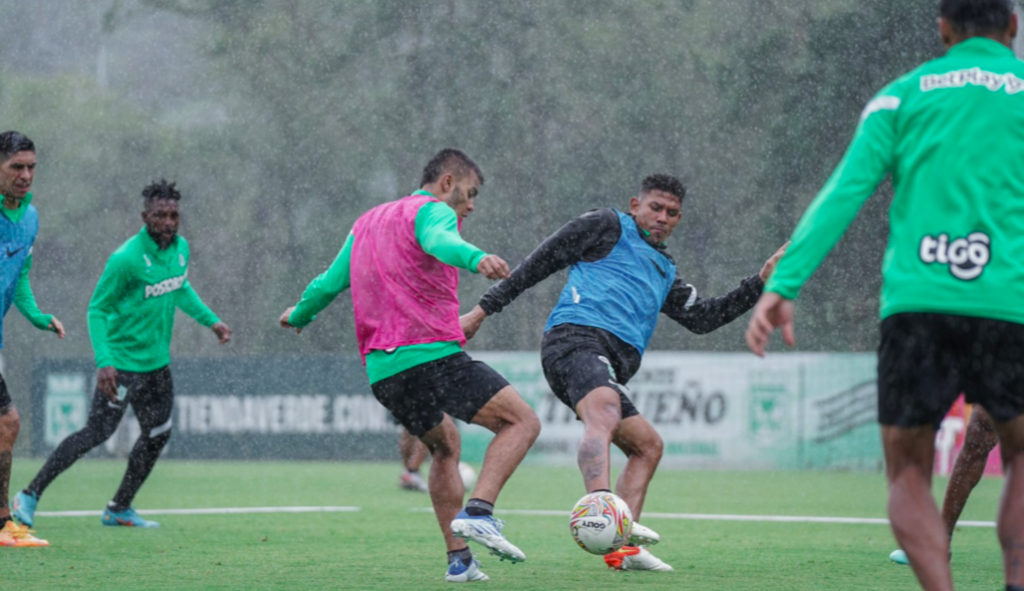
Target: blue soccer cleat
{"x":23,"y":508}
{"x":486,"y":530}
{"x":460,"y":571}
{"x":127,"y":518}
{"x":899,"y":557}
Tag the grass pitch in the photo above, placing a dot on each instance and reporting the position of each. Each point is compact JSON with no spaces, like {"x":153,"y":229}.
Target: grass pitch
{"x":387,"y":544}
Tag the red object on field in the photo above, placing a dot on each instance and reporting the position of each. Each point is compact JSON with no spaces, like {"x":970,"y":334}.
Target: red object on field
{"x":961,"y":410}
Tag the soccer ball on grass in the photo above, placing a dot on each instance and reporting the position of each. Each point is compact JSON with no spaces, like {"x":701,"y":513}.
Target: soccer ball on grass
{"x":600,"y":523}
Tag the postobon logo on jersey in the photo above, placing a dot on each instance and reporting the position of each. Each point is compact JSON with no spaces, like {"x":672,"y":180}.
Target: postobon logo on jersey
{"x":164,"y":287}
{"x":966,"y":257}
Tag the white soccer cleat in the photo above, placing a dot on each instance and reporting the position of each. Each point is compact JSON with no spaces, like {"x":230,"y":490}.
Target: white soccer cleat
{"x":486,"y":530}
{"x":642,"y":536}
{"x":460,"y":572}
{"x":635,"y":558}
{"x":412,"y":481}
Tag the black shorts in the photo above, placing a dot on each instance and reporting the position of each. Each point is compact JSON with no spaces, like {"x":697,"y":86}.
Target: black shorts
{"x":151,"y":396}
{"x":579,"y":359}
{"x":5,"y":397}
{"x":926,"y":360}
{"x":456,"y":385}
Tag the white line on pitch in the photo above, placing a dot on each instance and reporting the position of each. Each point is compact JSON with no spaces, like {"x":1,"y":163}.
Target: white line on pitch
{"x":760,"y":518}
{"x":214,"y":511}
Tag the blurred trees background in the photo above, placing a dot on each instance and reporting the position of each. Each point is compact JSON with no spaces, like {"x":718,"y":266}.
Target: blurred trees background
{"x":284,"y":120}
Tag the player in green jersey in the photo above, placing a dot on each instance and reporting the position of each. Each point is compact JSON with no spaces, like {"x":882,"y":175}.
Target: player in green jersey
{"x":952,"y":134}
{"x":131,"y":317}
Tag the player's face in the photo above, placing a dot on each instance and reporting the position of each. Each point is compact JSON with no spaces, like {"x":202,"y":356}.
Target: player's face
{"x":657,"y":212}
{"x":161,"y":218}
{"x":16,"y":175}
{"x":463,"y":199}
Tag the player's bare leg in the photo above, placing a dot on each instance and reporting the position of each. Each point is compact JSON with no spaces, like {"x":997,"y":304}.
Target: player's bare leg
{"x":601,"y":413}
{"x":979,"y":440}
{"x":1011,"y":507}
{"x":643,"y":448}
{"x":10,"y":424}
{"x":915,"y":519}
{"x":515,"y":427}
{"x":446,"y":490}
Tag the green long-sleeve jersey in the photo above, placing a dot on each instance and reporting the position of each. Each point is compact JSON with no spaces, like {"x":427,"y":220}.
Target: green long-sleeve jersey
{"x":437,"y":231}
{"x":951,"y":133}
{"x":131,"y":315}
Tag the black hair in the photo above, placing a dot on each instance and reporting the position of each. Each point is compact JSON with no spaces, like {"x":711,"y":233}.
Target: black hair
{"x":977,"y":17}
{"x":663,"y":182}
{"x":449,"y":160}
{"x":12,"y":142}
{"x":159,"y":190}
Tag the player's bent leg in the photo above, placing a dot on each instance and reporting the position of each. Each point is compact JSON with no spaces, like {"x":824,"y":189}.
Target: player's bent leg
{"x":601,"y":412}
{"x":515,"y":427}
{"x":103,"y":419}
{"x":1010,"y":527}
{"x":979,"y":440}
{"x":915,"y":519}
{"x":643,"y":448}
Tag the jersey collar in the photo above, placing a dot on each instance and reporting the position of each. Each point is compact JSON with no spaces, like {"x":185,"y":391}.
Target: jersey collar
{"x":150,"y":245}
{"x":425,"y":193}
{"x":15,"y":215}
{"x":979,"y":46}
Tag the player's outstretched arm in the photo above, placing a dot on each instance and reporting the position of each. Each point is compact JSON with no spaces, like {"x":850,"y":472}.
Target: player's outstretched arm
{"x":322,"y":290}
{"x":588,"y":237}
{"x":703,"y":315}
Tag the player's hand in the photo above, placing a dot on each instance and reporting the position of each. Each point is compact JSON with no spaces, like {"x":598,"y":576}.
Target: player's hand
{"x":106,"y":381}
{"x":223,"y":332}
{"x":56,"y":327}
{"x":771,"y":312}
{"x":472,"y":320}
{"x":770,"y":264}
{"x":493,"y":267}
{"x":283,"y":320}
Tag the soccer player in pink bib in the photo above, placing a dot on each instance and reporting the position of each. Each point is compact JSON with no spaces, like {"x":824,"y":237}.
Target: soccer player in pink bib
{"x":401,"y":262}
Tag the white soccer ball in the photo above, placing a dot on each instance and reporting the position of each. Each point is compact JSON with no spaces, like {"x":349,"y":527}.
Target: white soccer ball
{"x":600,"y":523}
{"x":468,"y":475}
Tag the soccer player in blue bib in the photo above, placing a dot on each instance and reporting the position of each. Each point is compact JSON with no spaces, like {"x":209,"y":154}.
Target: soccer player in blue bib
{"x":620,"y":280}
{"x":19,"y":224}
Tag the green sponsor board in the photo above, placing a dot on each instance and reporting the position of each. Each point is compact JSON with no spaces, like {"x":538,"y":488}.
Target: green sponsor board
{"x":727,"y":410}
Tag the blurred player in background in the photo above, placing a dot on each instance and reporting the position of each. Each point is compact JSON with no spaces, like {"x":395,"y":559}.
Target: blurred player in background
{"x":952,"y":135}
{"x":621,"y":279}
{"x":979,"y":441}
{"x":401,"y":261}
{"x":131,"y":318}
{"x":19,"y":225}
{"x":413,"y":453}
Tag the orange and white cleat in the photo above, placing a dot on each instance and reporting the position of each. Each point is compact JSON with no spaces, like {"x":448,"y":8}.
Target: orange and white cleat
{"x":18,"y":536}
{"x":634,"y":558}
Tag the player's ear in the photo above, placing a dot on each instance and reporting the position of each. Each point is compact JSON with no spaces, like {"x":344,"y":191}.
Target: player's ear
{"x":946,"y":32}
{"x":1012,"y":31}
{"x":634,"y":205}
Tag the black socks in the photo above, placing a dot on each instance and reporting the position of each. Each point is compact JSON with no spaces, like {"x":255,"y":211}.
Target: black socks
{"x":4,"y":520}
{"x":479,"y":507}
{"x":464,"y":555}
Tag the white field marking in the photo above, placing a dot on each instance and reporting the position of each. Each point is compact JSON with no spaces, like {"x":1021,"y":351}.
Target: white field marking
{"x":215,"y":511}
{"x":712,"y":517}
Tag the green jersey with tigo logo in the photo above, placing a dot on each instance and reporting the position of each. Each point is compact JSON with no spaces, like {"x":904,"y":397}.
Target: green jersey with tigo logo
{"x":951,"y":133}
{"x":131,"y":315}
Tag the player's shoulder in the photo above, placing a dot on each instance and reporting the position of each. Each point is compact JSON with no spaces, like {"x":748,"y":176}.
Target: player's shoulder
{"x":603,"y":215}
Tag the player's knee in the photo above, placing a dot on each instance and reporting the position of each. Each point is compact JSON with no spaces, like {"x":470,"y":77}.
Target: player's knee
{"x":530,"y":425}
{"x":10,"y":425}
{"x":159,"y":436}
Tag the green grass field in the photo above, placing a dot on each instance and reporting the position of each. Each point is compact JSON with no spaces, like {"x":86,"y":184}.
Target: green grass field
{"x":389,"y":545}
